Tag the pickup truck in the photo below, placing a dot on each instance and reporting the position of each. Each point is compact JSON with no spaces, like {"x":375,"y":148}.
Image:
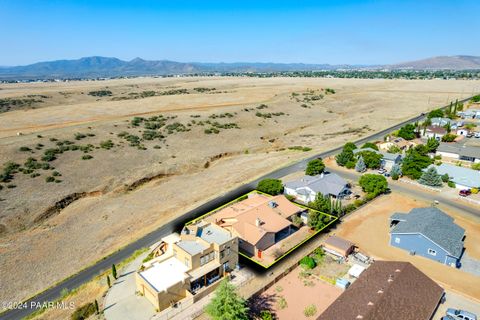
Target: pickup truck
{"x":455,"y":314}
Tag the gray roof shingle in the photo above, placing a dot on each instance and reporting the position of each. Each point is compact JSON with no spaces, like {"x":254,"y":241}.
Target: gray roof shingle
{"x":328,"y":183}
{"x":435,"y":225}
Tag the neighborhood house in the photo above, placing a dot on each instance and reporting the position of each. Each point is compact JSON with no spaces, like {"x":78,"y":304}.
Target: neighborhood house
{"x":464,"y":178}
{"x":188,"y":265}
{"x":434,"y":132}
{"x":387,"y":290}
{"x":459,"y":152}
{"x":259,"y":221}
{"x":306,"y":188}
{"x":428,"y":232}
{"x":390,"y":159}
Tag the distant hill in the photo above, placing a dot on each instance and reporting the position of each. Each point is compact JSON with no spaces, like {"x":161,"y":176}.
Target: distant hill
{"x":441,"y":63}
{"x":91,"y":67}
{"x":98,"y":67}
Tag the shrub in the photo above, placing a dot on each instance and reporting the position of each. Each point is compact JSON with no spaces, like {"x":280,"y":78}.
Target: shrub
{"x":56,"y":174}
{"x":270,"y":186}
{"x":49,"y":179}
{"x":266,"y":315}
{"x":451,"y":184}
{"x":449,"y":137}
{"x":87,"y":157}
{"x":431,"y":178}
{"x":25,"y":149}
{"x":310,"y":310}
{"x":83,"y":312}
{"x":308,"y":262}
{"x":370,"y":145}
{"x":108,"y":144}
{"x":476,"y":166}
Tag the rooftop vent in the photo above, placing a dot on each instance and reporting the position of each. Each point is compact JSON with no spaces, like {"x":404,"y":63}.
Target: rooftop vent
{"x":258,"y":222}
{"x":380,"y":291}
{"x":359,"y":316}
{"x":370,"y":303}
{"x":390,"y":278}
{"x":398,"y":270}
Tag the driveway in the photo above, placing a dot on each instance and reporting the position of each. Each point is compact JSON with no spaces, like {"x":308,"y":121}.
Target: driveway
{"x":121,"y":302}
{"x":456,"y":301}
{"x":470,"y":265}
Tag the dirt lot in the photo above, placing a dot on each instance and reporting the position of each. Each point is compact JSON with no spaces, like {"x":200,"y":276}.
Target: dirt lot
{"x":122,"y":192}
{"x":289,"y":297}
{"x":369,"y":230}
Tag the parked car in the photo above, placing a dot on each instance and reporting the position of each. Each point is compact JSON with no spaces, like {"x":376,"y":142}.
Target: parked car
{"x":381,"y":171}
{"x":469,"y":135}
{"x":465,"y":193}
{"x":386,"y":174}
{"x":477,"y":134}
{"x":457,"y":314}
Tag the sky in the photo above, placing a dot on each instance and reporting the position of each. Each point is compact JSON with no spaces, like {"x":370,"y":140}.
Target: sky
{"x":335,"y":32}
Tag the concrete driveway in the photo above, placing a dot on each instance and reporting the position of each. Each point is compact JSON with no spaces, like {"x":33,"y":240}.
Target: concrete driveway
{"x":470,"y":265}
{"x":456,"y":301}
{"x":121,"y":302}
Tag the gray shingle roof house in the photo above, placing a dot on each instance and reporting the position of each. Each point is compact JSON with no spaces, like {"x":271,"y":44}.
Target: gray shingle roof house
{"x":444,"y":121}
{"x":459,"y":151}
{"x":464,"y":178}
{"x":306,"y":188}
{"x":428,"y":232}
{"x":390,"y":159}
{"x":355,"y":151}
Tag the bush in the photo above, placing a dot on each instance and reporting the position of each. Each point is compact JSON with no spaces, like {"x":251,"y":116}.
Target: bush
{"x":308,"y":262}
{"x":449,"y":137}
{"x":266,"y":315}
{"x":87,"y":157}
{"x":476,"y":166}
{"x":106,"y":144}
{"x":451,"y":184}
{"x":310,"y":310}
{"x":370,"y":145}
{"x":83,"y":312}
{"x":49,"y":179}
{"x":373,"y":184}
{"x":270,"y":186}
{"x":25,"y":149}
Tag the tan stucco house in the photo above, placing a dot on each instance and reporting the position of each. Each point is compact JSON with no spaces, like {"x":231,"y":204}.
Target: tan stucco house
{"x":189,"y":265}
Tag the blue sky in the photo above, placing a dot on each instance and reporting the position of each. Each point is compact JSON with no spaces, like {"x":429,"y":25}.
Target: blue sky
{"x":336,"y":32}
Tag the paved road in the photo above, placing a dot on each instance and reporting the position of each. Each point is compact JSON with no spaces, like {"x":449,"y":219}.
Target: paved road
{"x":87,"y":274}
{"x":416,"y":193}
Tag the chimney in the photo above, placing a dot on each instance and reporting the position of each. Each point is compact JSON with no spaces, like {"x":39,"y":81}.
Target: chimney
{"x":321,"y":175}
{"x":390,"y":278}
{"x":258,"y":222}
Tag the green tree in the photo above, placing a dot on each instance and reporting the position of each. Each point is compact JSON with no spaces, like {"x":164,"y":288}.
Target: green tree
{"x":315,"y":167}
{"x":415,"y":161}
{"x":344,"y":157}
{"x":445,"y":178}
{"x":372,"y":160}
{"x":360,"y":166}
{"x":432,"y":144}
{"x":373,"y":184}
{"x":396,"y":172}
{"x":437,"y":113}
{"x":370,"y":145}
{"x":431,"y":178}
{"x":407,"y":132}
{"x":114,"y":271}
{"x":109,"y":283}
{"x":266,"y":315}
{"x":226,"y":304}
{"x":270,"y":186}
{"x":322,"y":203}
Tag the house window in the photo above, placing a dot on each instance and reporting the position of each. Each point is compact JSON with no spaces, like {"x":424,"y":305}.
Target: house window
{"x":397,"y":240}
{"x":222,"y":254}
{"x":432,"y":252}
{"x":212,"y":255}
{"x":228,"y":251}
{"x":202,"y":260}
{"x":186,"y":261}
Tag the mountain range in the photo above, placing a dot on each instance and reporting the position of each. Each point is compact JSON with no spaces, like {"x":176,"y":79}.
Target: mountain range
{"x":94,"y":67}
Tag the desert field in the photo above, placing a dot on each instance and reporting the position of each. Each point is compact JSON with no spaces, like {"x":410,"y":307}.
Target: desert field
{"x":93,"y":165}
